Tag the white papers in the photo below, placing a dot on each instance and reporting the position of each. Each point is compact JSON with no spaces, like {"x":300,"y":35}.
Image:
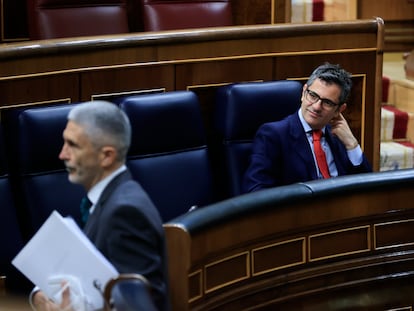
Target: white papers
{"x":60,"y":248}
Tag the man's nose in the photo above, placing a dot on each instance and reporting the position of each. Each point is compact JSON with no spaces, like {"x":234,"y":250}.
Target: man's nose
{"x":62,"y":153}
{"x":318,"y":104}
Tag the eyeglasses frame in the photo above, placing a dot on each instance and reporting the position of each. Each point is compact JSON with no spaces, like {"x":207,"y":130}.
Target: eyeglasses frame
{"x":326,"y":103}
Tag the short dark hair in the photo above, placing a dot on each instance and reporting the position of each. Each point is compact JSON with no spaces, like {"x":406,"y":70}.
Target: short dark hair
{"x":331,"y":73}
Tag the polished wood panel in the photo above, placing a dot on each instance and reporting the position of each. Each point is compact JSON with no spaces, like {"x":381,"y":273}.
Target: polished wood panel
{"x":399,"y":21}
{"x":267,"y":258}
{"x":109,"y":83}
{"x":392,"y":234}
{"x":13,"y":23}
{"x":251,"y":12}
{"x":340,"y":242}
{"x":40,"y":90}
{"x":237,"y":269}
{"x":390,"y":10}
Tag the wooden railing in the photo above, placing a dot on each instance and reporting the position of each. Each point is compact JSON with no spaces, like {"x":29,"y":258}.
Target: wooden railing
{"x":399,"y":17}
{"x":339,"y":244}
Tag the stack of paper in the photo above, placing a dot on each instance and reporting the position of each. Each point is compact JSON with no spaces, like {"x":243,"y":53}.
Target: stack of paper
{"x":60,"y":249}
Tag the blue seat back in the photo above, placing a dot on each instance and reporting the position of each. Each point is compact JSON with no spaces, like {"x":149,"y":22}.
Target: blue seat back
{"x":240,"y":110}
{"x":40,"y":174}
{"x":168,"y":154}
{"x":11,"y":237}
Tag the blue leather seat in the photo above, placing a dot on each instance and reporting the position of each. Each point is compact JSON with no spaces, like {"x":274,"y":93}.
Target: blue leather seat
{"x":11,"y":237}
{"x":35,"y":136}
{"x":240,"y":109}
{"x":168,"y":154}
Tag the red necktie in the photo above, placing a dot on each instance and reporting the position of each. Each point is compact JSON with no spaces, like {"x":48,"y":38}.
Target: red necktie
{"x":320,"y":154}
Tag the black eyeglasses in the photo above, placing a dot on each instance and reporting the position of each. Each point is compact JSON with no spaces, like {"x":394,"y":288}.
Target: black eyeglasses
{"x":313,"y":98}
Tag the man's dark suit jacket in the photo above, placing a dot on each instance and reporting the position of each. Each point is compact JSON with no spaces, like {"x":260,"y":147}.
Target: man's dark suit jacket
{"x":281,"y":155}
{"x":126,"y":227}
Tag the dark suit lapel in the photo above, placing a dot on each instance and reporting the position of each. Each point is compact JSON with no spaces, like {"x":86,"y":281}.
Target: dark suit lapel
{"x":300,"y":143}
{"x":92,"y":223}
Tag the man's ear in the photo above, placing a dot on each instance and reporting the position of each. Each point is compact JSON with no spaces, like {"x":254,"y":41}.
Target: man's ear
{"x":304,"y":88}
{"x":342,"y":108}
{"x":108,"y":156}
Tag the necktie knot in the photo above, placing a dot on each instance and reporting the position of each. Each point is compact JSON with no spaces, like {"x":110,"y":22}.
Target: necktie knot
{"x":317,"y":134}
{"x":84,"y":209}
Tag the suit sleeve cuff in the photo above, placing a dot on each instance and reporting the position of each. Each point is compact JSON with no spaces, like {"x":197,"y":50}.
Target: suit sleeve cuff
{"x":31,"y":295}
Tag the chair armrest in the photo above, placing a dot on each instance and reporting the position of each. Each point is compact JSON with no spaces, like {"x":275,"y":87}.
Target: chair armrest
{"x":128,"y":292}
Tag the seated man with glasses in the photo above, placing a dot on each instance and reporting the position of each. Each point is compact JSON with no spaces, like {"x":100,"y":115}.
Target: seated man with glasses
{"x":315,"y":142}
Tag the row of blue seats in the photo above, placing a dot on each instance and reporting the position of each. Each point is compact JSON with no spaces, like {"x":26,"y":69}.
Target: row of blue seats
{"x":170,"y":154}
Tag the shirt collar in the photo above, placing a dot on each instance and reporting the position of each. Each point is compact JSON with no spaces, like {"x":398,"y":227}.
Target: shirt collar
{"x":97,"y":190}
{"x":305,"y":124}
